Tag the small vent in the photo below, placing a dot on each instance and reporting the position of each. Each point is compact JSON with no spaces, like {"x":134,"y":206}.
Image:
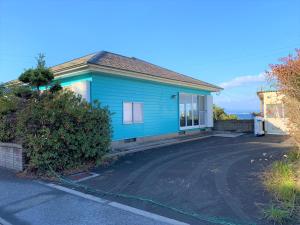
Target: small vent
{"x":129,"y":140}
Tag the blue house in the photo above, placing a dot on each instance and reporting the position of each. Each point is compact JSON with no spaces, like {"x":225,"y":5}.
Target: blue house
{"x":148,"y":102}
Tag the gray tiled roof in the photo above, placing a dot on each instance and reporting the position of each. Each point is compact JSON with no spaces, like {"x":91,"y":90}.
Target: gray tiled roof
{"x":116,"y":61}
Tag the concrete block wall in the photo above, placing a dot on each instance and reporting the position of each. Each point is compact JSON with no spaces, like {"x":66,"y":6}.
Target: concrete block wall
{"x":245,"y":126}
{"x":11,"y":156}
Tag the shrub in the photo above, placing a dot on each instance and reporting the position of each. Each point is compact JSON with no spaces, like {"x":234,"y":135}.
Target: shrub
{"x":220,"y":114}
{"x":8,"y":103}
{"x":10,"y":100}
{"x":7,"y":131}
{"x":294,"y":155}
{"x":286,"y":77}
{"x":58,"y":129}
{"x":62,"y":131}
{"x":39,"y":76}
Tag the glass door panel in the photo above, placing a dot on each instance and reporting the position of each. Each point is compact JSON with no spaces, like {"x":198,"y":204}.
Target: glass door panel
{"x":190,"y":114}
{"x":182,"y":115}
{"x":189,"y":111}
{"x":202,"y":109}
{"x":195,"y":111}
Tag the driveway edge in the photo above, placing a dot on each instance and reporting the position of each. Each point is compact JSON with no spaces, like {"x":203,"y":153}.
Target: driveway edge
{"x":122,"y":153}
{"x":112,"y":204}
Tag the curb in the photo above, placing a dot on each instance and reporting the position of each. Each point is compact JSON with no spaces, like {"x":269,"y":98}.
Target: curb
{"x":117,"y":205}
{"x":155,"y":146}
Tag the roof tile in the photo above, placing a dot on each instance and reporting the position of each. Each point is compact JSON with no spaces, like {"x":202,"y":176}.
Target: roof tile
{"x":112,"y":60}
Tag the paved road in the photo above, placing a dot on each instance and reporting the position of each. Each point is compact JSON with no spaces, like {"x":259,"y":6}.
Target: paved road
{"x":217,"y":178}
{"x":24,"y":202}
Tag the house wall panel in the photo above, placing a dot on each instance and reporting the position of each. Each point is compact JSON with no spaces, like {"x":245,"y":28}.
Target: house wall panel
{"x":160,"y":101}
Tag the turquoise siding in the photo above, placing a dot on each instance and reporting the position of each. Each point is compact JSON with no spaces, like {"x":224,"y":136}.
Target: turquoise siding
{"x":161,"y":114}
{"x":69,"y":80}
{"x":161,"y":111}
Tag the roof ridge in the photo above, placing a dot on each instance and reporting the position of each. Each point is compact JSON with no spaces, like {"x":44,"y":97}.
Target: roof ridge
{"x":134,"y":58}
{"x":181,"y":74}
{"x":124,"y":56}
{"x":96,"y":57}
{"x":126,"y":63}
{"x":144,"y":61}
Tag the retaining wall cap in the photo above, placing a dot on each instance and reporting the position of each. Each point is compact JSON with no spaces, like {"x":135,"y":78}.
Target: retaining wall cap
{"x":10,"y":145}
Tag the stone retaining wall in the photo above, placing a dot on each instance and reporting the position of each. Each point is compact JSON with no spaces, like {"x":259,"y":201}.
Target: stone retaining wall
{"x":11,"y":156}
{"x":245,"y":126}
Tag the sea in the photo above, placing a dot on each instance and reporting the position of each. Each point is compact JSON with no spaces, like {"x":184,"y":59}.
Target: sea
{"x":243,"y":116}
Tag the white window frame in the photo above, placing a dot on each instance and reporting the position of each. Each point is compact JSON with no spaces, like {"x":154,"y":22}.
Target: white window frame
{"x":133,"y":121}
{"x":193,"y":126}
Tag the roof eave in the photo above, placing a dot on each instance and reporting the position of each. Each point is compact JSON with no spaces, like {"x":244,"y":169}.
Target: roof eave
{"x":143,"y":76}
{"x":71,"y":69}
{"x":131,"y":74}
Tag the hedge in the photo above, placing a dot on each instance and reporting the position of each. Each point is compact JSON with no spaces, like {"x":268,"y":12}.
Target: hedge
{"x":60,"y":130}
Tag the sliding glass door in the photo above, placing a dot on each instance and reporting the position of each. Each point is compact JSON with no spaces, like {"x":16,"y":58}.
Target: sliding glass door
{"x":191,"y":111}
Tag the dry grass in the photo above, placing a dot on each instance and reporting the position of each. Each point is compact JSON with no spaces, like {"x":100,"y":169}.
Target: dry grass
{"x":281,"y":181}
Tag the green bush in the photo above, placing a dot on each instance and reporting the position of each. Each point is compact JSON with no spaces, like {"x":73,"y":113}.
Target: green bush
{"x":58,"y":129}
{"x":220,"y":114}
{"x":7,"y":128}
{"x":9,"y":103}
{"x":62,"y":131}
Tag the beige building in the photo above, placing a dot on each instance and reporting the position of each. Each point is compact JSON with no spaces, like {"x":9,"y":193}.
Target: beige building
{"x":273,"y":112}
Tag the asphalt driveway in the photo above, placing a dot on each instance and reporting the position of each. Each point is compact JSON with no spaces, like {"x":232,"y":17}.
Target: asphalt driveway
{"x":31,"y":202}
{"x":217,"y":179}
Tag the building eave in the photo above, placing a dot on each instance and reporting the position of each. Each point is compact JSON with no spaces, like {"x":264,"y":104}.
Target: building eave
{"x":130,"y":74}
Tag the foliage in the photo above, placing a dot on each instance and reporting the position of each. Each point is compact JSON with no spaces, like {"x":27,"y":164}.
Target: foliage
{"x":7,"y":131}
{"x":10,"y":101}
{"x":40,"y":76}
{"x":220,"y":114}
{"x":277,"y":215}
{"x":62,"y":131}
{"x":287,"y":78}
{"x":57,"y":128}
{"x":55,"y":88}
{"x":2,"y":88}
{"x":280,"y":180}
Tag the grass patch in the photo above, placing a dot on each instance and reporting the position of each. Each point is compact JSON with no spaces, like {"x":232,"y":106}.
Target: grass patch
{"x":277,"y":215}
{"x":281,"y":181}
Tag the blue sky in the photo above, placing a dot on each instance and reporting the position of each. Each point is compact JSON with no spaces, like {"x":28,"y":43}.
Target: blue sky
{"x":229,"y":43}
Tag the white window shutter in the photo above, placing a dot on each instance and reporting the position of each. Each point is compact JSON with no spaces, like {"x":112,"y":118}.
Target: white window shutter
{"x":138,"y":116}
{"x":209,"y":111}
{"x":127,"y":113}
